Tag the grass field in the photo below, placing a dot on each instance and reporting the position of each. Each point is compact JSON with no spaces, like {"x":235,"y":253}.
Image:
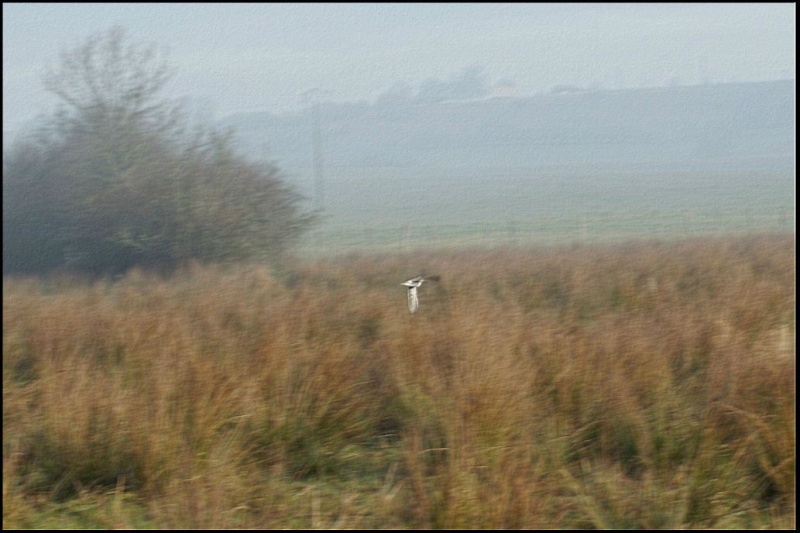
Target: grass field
{"x":633,"y":385}
{"x":398,"y":210}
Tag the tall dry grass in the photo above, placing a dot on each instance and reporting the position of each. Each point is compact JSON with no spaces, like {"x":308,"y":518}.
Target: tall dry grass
{"x":640,"y":385}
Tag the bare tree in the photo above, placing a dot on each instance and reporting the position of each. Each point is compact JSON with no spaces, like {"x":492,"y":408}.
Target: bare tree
{"x":108,"y":78}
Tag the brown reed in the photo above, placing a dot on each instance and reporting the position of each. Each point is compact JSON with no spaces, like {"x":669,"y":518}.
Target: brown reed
{"x":647,"y":385}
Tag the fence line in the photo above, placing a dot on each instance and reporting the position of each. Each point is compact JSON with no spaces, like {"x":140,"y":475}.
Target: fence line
{"x":333,"y":239}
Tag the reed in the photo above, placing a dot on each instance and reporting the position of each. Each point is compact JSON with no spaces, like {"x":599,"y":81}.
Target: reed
{"x":645,"y":384}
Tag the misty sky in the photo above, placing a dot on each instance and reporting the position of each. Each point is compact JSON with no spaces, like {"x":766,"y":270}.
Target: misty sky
{"x":263,"y":57}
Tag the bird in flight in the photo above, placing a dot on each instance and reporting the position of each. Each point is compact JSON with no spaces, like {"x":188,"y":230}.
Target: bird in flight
{"x":412,"y":285}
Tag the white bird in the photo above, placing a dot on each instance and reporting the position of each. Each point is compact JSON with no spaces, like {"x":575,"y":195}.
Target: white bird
{"x":412,"y":285}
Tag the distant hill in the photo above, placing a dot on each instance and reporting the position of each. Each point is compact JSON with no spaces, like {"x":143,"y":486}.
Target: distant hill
{"x":700,"y":126}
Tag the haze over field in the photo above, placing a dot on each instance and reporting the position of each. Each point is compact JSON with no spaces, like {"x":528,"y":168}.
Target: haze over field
{"x":503,"y":117}
{"x":568,"y":165}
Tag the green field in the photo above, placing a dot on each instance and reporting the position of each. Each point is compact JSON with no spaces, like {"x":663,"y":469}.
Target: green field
{"x":394,"y":210}
{"x":645,"y":384}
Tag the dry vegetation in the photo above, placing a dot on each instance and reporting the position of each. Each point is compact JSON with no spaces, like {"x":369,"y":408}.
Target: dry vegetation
{"x":643,"y":385}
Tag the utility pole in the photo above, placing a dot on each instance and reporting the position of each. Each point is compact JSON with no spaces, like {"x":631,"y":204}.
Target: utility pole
{"x":316,"y":146}
{"x":312,"y":95}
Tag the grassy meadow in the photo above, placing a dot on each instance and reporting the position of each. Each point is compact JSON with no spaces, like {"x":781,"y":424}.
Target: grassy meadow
{"x":635,"y":385}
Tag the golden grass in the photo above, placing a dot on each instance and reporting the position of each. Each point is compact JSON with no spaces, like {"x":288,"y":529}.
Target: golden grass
{"x":640,"y":385}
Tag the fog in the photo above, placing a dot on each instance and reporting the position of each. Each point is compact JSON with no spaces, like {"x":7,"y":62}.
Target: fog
{"x":493,"y":122}
{"x":251,"y":57}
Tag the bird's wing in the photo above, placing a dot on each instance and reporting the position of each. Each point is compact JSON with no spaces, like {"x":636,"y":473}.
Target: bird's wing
{"x":413,"y":301}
